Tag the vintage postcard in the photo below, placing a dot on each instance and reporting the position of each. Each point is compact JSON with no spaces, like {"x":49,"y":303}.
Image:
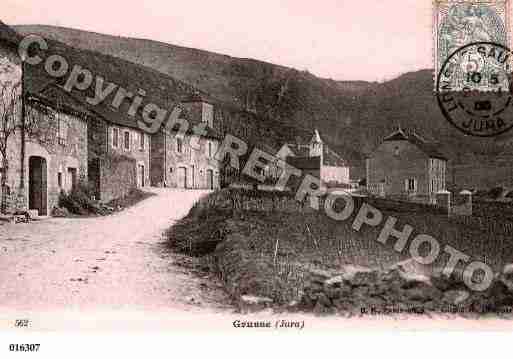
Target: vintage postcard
{"x":255,"y":166}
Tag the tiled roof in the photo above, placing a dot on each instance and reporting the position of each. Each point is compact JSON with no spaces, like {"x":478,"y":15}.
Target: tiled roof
{"x":429,"y":148}
{"x":161,"y":89}
{"x":299,"y":150}
{"x":58,"y":99}
{"x":208,"y":133}
{"x":197,"y":97}
{"x":331,"y":158}
{"x":398,"y":135}
{"x":305,"y":163}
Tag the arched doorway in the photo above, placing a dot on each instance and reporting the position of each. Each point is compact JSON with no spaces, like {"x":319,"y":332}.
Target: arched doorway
{"x":38,"y":185}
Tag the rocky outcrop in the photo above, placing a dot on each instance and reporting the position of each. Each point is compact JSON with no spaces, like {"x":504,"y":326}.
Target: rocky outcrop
{"x":402,"y":288}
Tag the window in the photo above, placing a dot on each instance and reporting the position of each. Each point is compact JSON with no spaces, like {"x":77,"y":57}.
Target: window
{"x":126,"y":141}
{"x":59,"y":179}
{"x":209,"y":149}
{"x":396,"y":151}
{"x":179,"y":145}
{"x":411,"y":185}
{"x":115,"y":137}
{"x":71,"y":180}
{"x":62,"y":130}
{"x":142,"y":141}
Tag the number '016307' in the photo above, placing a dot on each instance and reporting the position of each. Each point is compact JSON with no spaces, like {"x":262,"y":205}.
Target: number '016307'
{"x":24,"y":347}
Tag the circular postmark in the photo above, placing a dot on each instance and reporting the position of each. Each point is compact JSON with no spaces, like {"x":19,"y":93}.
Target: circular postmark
{"x":474,"y":89}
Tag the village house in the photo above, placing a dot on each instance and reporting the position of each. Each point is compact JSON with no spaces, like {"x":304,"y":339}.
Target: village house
{"x":119,"y":158}
{"x":406,"y":166}
{"x":317,"y":159}
{"x":187,"y":159}
{"x":46,"y":153}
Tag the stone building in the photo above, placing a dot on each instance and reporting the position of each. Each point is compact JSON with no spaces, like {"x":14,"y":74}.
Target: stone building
{"x":47,"y":153}
{"x":119,"y":158}
{"x":186,"y":158}
{"x":406,"y":166}
{"x":318,"y":159}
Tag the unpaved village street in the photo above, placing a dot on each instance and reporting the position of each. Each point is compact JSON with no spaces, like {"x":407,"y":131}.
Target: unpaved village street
{"x":104,"y":263}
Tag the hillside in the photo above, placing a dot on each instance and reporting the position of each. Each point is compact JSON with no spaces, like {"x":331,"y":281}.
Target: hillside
{"x":352,"y":115}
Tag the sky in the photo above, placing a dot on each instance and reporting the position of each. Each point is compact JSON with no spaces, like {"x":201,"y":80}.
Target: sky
{"x":372,"y":40}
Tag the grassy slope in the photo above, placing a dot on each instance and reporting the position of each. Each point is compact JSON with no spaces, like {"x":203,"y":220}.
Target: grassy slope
{"x":249,"y":241}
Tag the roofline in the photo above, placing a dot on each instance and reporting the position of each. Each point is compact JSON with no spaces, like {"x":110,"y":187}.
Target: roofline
{"x":64,"y":108}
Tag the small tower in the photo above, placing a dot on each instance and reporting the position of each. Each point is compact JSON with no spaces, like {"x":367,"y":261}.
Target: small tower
{"x":200,"y":108}
{"x":316,"y":145}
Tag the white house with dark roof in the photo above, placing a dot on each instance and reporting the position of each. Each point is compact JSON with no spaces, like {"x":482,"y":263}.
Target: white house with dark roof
{"x":407,"y":166}
{"x":318,"y":159}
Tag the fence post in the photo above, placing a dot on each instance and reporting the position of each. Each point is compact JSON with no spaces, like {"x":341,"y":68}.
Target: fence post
{"x":443,"y":199}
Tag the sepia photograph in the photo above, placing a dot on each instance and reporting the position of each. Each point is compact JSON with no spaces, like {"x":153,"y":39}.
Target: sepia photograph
{"x":241,"y":167}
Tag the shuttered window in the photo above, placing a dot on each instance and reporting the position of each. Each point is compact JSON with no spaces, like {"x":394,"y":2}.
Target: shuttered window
{"x":410,"y":185}
{"x":63,"y":130}
{"x":127,"y":140}
{"x":115,"y":137}
{"x":142,"y":141}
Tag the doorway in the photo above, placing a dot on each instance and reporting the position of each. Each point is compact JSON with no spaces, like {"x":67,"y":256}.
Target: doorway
{"x":192,"y":181}
{"x":140,"y":176}
{"x":182,"y":177}
{"x":38,"y":185}
{"x":72,"y":179}
{"x":210,"y":179}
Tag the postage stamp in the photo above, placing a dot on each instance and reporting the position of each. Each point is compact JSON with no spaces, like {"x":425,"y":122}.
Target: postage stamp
{"x":459,"y":23}
{"x":474,"y":89}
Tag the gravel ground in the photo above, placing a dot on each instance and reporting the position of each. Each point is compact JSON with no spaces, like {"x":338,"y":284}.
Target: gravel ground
{"x":104,"y":263}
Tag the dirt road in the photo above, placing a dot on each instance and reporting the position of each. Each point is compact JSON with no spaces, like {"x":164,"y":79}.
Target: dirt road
{"x":104,"y":263}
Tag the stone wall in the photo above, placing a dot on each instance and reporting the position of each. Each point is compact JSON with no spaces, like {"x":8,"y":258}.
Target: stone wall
{"x":269,"y":201}
{"x":140,"y":155}
{"x":335,"y":174}
{"x":158,"y":160}
{"x":403,"y":289}
{"x":60,"y":155}
{"x":393,"y":163}
{"x":168,"y":162}
{"x":15,"y":201}
{"x":113,"y":170}
{"x":117,"y":177}
{"x":247,"y":200}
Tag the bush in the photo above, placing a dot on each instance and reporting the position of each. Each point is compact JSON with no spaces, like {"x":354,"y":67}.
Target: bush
{"x":495,"y":193}
{"x":134,"y":196}
{"x":79,"y":200}
{"x":60,"y":212}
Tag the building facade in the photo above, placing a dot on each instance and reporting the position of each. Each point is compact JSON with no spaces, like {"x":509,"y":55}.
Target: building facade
{"x":185,"y":158}
{"x":406,"y":166}
{"x":47,"y":152}
{"x":317,"y":159}
{"x":119,"y":159}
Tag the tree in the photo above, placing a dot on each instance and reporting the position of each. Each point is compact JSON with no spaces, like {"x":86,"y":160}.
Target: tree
{"x":9,"y":123}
